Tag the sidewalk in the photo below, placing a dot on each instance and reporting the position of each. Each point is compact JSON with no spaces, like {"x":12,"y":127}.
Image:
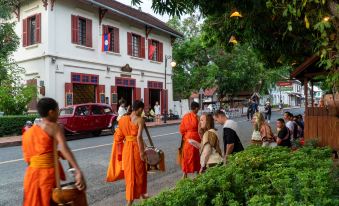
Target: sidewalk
{"x":16,"y":140}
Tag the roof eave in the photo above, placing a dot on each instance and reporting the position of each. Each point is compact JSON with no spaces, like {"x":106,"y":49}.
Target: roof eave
{"x":134,"y":18}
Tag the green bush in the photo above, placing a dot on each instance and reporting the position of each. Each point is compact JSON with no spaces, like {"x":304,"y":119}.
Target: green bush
{"x":12,"y":125}
{"x":261,"y":176}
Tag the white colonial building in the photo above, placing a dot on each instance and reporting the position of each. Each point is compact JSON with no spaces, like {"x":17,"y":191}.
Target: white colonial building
{"x":289,"y":92}
{"x":61,"y":50}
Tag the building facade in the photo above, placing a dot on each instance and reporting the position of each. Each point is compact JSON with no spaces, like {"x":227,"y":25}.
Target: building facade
{"x":291,"y":93}
{"x":94,"y":51}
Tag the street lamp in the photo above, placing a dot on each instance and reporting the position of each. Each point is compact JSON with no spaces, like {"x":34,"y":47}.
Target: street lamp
{"x":173,"y":64}
{"x":201,"y":93}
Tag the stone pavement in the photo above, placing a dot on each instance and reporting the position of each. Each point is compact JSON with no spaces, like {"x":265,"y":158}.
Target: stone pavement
{"x":16,"y":140}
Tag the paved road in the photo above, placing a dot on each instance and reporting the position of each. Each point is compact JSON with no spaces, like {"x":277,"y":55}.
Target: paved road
{"x":93,"y":155}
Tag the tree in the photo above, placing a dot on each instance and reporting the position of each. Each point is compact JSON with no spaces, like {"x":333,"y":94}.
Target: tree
{"x":14,"y":95}
{"x":284,"y":32}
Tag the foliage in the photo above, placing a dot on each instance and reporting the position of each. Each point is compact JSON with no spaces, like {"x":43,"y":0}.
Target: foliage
{"x":284,"y":32}
{"x":206,"y":66}
{"x":261,"y":176}
{"x":14,"y":95}
{"x":12,"y":125}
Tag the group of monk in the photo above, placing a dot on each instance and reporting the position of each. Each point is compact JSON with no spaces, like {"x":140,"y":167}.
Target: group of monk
{"x":127,"y":158}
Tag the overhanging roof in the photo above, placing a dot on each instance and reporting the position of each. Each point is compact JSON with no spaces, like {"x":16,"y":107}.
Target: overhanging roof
{"x":309,"y":69}
{"x":135,"y":15}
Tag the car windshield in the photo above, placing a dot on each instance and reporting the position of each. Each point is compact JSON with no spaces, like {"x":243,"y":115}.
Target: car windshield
{"x":66,"y":111}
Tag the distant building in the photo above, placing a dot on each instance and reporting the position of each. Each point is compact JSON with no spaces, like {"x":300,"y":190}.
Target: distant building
{"x":289,"y":92}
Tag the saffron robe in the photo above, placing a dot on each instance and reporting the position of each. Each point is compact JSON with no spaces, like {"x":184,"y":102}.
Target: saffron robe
{"x":190,"y":160}
{"x":134,"y":169}
{"x":39,"y":179}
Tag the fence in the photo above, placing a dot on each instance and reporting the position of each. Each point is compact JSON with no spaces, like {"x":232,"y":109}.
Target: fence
{"x":322,"y":123}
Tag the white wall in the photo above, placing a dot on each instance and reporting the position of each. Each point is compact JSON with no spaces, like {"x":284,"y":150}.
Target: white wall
{"x":56,"y":43}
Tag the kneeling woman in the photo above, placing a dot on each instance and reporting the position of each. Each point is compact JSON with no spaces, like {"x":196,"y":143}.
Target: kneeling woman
{"x":210,"y":152}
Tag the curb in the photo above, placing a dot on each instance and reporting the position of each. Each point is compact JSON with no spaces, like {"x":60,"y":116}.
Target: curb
{"x":70,"y":138}
{"x":10,"y":144}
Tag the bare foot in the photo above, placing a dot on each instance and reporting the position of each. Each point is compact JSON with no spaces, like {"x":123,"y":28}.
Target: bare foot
{"x":184,"y":176}
{"x":145,"y":196}
{"x":129,"y":203}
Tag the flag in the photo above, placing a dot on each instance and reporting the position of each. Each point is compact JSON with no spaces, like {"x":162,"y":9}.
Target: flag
{"x":151,"y":51}
{"x":106,"y":42}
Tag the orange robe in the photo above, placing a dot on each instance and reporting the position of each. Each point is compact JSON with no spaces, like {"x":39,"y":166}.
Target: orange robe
{"x":134,"y":169}
{"x":39,"y":177}
{"x":190,"y":161}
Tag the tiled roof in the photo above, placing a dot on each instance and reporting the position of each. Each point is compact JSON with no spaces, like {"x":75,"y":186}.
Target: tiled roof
{"x":134,"y":14}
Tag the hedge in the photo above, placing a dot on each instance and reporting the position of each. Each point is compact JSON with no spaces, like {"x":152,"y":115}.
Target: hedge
{"x":12,"y":125}
{"x":261,"y":176}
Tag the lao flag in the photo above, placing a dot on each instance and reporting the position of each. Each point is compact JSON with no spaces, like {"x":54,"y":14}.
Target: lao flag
{"x":106,"y":42}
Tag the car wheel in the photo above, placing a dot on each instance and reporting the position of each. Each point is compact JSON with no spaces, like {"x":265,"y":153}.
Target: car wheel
{"x":96,"y":133}
{"x":114,"y":126}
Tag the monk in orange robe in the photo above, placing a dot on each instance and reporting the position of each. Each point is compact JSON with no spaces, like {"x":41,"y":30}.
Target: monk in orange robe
{"x":190,"y":159}
{"x":37,"y":145}
{"x":131,"y":158}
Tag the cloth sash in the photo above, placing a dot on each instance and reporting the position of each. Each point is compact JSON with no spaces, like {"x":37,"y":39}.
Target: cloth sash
{"x":42,"y":161}
{"x":131,"y":138}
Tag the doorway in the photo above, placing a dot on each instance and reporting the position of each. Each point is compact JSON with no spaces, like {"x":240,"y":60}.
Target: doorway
{"x":154,"y":96}
{"x":84,"y":93}
{"x":125,"y":93}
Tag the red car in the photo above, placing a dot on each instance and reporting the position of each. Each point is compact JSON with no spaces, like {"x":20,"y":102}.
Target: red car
{"x":91,"y":117}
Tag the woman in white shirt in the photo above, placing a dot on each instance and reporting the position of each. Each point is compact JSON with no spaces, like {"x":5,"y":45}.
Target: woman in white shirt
{"x":157,"y":112}
{"x":122,"y":110}
{"x":210,"y":152}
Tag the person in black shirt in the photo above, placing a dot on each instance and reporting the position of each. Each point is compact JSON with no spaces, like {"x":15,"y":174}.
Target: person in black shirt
{"x":232,"y":142}
{"x":284,"y":136}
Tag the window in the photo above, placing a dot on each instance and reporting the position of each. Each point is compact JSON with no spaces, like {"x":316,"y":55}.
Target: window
{"x":107,"y":110}
{"x":97,"y":110}
{"x":31,"y":30}
{"x":82,"y":111}
{"x":135,"y":45}
{"x":155,"y":50}
{"x":114,"y":38}
{"x":81,"y":31}
{"x":84,"y":78}
{"x":76,"y":78}
{"x":66,"y":111}
{"x":94,"y":79}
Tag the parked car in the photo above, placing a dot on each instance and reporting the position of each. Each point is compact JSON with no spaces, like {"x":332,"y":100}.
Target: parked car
{"x":91,"y":117}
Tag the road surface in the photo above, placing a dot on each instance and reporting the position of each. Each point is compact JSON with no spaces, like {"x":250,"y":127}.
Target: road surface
{"x":93,"y":154}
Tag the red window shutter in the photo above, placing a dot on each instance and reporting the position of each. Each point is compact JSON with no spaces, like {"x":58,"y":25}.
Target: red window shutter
{"x":68,"y":94}
{"x":104,"y":29}
{"x":142,"y":47}
{"x":114,"y":98}
{"x":100,"y":91}
{"x":164,"y":101}
{"x":137,"y":94}
{"x":88,"y":33}
{"x":149,"y":46}
{"x":24,"y":33}
{"x":129,"y":43}
{"x":38,"y":28}
{"x":146,"y":99}
{"x":160,"y":52}
{"x":75,"y":30}
{"x":116,"y":40}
